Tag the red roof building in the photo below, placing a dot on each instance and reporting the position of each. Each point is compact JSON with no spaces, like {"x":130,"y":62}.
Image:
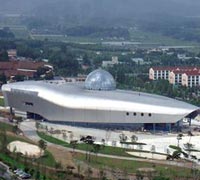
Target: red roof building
{"x":175,"y":75}
{"x":24,"y":68}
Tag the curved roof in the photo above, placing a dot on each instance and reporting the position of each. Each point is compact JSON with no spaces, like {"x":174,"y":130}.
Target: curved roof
{"x":74,"y":95}
{"x":100,"y":80}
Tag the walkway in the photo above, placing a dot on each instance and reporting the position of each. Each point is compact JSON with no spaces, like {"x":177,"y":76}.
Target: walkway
{"x":29,"y":129}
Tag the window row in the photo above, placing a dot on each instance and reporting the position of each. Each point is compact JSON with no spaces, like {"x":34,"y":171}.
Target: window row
{"x":135,"y":114}
{"x":28,"y":103}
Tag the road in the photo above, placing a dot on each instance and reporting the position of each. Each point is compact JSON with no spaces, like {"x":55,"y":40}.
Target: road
{"x":29,"y":130}
{"x":5,"y":172}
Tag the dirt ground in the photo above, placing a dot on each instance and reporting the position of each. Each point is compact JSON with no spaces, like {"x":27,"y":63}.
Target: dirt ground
{"x":61,"y":155}
{"x":25,"y":148}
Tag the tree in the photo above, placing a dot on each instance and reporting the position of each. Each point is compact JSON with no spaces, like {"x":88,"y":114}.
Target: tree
{"x":3,"y":79}
{"x":96,"y":149}
{"x":3,"y":141}
{"x":102,"y":174}
{"x":139,"y":175}
{"x":42,"y":145}
{"x":107,"y":135}
{"x":64,"y":136}
{"x":189,"y":147}
{"x":4,"y":55}
{"x":179,"y":137}
{"x":15,"y":129}
{"x":58,"y":165}
{"x":74,"y":144}
{"x":71,"y":136}
{"x":153,"y":149}
{"x":123,"y":138}
{"x":19,"y":78}
{"x":86,"y":60}
{"x":37,"y":175}
{"x":103,"y":141}
{"x":176,"y":155}
{"x":37,"y":125}
{"x":88,"y":140}
{"x":134,"y":138}
{"x":89,"y":172}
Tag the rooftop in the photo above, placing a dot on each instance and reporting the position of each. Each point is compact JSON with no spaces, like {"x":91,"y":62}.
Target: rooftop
{"x":122,"y":100}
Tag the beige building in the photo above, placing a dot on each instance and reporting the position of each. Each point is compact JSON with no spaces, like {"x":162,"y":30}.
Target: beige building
{"x":175,"y":77}
{"x":191,"y":79}
{"x":110,"y":63}
{"x":12,"y":53}
{"x":185,"y":76}
{"x":160,"y":72}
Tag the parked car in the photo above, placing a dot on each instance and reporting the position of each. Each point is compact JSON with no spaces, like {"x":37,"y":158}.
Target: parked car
{"x":18,"y":172}
{"x":22,"y":174}
{"x":25,"y":176}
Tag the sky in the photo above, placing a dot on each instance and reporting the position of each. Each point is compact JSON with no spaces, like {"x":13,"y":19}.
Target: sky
{"x":88,"y":9}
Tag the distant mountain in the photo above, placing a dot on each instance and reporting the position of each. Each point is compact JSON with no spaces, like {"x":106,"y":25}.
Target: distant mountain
{"x":101,"y":8}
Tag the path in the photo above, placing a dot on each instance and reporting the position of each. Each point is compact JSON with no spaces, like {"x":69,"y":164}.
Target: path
{"x":29,"y":129}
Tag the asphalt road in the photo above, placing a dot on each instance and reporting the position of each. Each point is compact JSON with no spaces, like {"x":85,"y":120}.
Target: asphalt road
{"x":5,"y":172}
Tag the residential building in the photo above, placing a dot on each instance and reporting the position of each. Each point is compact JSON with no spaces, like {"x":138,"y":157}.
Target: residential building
{"x":185,"y":76}
{"x":24,"y":68}
{"x":12,"y":53}
{"x":160,"y":72}
{"x":191,"y":79}
{"x":110,"y":63}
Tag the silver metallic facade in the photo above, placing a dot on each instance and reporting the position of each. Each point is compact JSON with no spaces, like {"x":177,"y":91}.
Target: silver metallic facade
{"x":72,"y":102}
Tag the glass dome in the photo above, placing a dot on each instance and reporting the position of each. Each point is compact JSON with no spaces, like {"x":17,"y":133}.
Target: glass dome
{"x":100,"y":80}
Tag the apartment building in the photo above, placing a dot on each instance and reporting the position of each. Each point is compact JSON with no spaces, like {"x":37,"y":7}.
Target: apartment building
{"x":185,"y":76}
{"x":191,"y":79}
{"x":160,"y":72}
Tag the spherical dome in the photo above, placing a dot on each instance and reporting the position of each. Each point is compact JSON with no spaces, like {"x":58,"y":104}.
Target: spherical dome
{"x":100,"y":80}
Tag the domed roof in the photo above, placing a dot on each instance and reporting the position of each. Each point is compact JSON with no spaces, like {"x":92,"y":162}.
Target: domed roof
{"x":100,"y":80}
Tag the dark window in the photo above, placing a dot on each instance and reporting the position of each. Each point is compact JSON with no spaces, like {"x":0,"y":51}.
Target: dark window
{"x":149,"y":114}
{"x":127,"y":113}
{"x":28,"y":103}
{"x":134,"y":114}
{"x":142,"y":114}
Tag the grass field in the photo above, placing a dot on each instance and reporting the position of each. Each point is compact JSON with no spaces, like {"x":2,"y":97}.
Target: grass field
{"x":149,"y":37}
{"x":64,"y":38}
{"x":48,"y":159}
{"x":1,"y":101}
{"x":132,"y":166}
{"x":6,"y":127}
{"x":104,"y":150}
{"x":20,"y":33}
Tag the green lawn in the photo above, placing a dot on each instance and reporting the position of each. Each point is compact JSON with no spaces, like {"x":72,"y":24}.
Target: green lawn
{"x":48,"y":159}
{"x":5,"y":127}
{"x":104,"y":150}
{"x":1,"y":101}
{"x":132,"y":166}
{"x":62,"y":38}
{"x":149,"y":37}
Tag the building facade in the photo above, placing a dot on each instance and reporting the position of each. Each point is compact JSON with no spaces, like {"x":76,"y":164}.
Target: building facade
{"x":96,"y":102}
{"x":185,"y":76}
{"x":23,"y":68}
